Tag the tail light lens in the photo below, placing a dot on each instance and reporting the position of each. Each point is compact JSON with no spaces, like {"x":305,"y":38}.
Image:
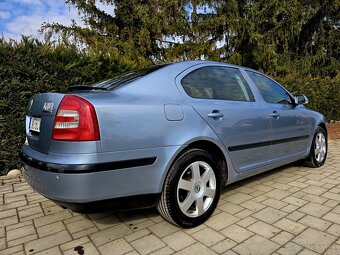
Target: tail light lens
{"x":76,"y":120}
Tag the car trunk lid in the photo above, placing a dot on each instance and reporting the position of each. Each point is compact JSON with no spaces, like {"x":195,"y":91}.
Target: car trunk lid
{"x":40,"y":116}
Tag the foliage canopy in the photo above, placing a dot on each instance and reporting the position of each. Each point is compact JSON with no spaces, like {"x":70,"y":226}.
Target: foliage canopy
{"x":279,"y":37}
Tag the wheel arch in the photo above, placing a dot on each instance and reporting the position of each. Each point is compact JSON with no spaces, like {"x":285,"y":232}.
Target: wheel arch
{"x":216,"y":151}
{"x":323,"y":125}
{"x":210,"y":147}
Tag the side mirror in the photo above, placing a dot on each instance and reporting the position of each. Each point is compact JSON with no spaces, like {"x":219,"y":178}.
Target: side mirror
{"x":301,"y":99}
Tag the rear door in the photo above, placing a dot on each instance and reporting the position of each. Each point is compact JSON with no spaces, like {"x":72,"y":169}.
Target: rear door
{"x":222,"y":97}
{"x":290,"y":126}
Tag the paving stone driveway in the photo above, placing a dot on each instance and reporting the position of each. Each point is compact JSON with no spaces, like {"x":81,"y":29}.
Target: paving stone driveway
{"x":290,"y":210}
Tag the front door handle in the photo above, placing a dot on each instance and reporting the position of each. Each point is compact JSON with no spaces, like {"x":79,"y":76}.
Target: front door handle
{"x":275,"y":115}
{"x":216,"y":114}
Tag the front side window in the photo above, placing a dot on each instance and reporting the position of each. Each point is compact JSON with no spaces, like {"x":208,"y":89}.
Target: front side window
{"x":271,"y":91}
{"x":215,"y":82}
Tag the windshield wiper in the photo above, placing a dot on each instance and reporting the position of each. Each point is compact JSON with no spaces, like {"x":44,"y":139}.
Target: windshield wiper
{"x":85,"y":87}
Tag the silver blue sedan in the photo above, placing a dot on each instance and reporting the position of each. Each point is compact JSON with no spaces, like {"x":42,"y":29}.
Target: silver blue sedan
{"x":169,"y":136}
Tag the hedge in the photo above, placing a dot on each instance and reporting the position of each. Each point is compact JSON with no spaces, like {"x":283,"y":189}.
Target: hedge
{"x":29,"y":67}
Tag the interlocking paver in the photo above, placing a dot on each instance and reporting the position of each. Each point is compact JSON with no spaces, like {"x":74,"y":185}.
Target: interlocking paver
{"x":50,"y":229}
{"x":290,"y":226}
{"x":163,"y":251}
{"x":52,"y":218}
{"x":223,"y":246}
{"x":197,"y":249}
{"x":119,"y":246}
{"x":256,"y":245}
{"x":315,"y":222}
{"x":274,"y":203}
{"x":314,"y":198}
{"x":74,"y":243}
{"x":295,"y":216}
{"x":163,"y":229}
{"x":253,"y":206}
{"x":2,"y":232}
{"x":7,"y":213}
{"x":314,"y":240}
{"x":47,"y":242}
{"x":264,"y":229}
{"x":136,"y":235}
{"x":269,"y":215}
{"x":52,"y":251}
{"x":291,"y":210}
{"x":334,"y":230}
{"x":290,"y":249}
{"x":2,"y":243}
{"x":333,"y":217}
{"x":221,"y":221}
{"x":282,"y":238}
{"x":16,"y":204}
{"x":295,"y":201}
{"x":79,"y":225}
{"x":208,"y":236}
{"x":236,"y":233}
{"x":13,"y":250}
{"x":9,"y":220}
{"x":231,"y":208}
{"x":20,"y":232}
{"x":148,"y":244}
{"x":278,"y":194}
{"x":244,"y":213}
{"x":238,"y":198}
{"x":178,"y":240}
{"x":315,"y":209}
{"x":333,"y":250}
{"x":110,"y":234}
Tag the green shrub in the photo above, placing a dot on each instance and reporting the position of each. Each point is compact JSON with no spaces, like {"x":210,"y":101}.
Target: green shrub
{"x":323,"y":93}
{"x":29,"y":67}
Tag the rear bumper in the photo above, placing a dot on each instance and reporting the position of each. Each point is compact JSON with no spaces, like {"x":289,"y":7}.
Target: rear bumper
{"x":116,"y":204}
{"x":85,"y":168}
{"x":136,"y":173}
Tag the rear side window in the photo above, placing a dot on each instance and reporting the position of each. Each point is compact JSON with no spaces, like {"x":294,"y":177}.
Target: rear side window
{"x":197,"y":84}
{"x":217,"y":83}
{"x":271,"y":91}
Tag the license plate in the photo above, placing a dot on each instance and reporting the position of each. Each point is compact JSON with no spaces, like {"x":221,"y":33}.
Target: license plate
{"x":35,"y":124}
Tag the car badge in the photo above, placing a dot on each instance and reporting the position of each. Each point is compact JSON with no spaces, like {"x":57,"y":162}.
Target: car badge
{"x":48,"y":107}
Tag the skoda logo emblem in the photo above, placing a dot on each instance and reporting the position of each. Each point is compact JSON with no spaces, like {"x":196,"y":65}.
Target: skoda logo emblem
{"x":197,"y":188}
{"x":48,"y":107}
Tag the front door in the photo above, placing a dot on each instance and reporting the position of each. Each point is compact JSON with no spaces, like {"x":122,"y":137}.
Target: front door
{"x":290,"y":125}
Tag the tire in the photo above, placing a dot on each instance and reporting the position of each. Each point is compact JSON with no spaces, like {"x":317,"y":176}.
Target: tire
{"x":191,"y":190}
{"x":318,"y":151}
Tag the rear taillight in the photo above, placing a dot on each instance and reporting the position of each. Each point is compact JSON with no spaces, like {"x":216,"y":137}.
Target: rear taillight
{"x":76,"y":120}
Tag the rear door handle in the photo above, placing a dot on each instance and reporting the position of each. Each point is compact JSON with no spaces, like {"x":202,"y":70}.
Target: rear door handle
{"x":275,"y":115}
{"x":215,"y":114}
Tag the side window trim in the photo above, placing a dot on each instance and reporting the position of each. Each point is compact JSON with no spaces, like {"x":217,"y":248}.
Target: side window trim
{"x":244,"y":90}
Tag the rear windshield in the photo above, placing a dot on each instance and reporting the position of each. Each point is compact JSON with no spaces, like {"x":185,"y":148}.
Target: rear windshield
{"x":126,"y":78}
